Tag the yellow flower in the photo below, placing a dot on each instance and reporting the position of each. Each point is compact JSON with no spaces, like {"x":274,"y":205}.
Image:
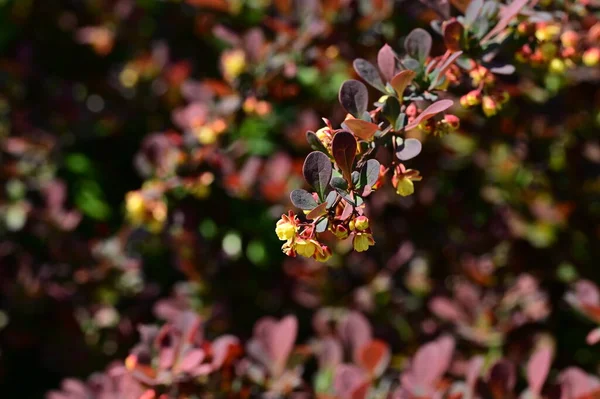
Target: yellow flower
{"x":285,"y":230}
{"x":489,"y":106}
{"x":362,"y":241}
{"x":234,"y":63}
{"x":591,"y":57}
{"x":305,"y":248}
{"x":405,"y":187}
{"x":557,"y":66}
{"x":205,"y":135}
{"x":323,"y":253}
{"x":134,"y":203}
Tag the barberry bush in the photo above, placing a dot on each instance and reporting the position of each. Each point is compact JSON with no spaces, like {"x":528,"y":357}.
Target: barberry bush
{"x":334,"y":199}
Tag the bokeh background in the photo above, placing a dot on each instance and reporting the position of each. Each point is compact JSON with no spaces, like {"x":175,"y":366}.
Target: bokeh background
{"x":149,"y":146}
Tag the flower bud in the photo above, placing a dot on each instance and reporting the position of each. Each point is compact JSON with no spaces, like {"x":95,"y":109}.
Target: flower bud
{"x":361,"y":223}
{"x":591,"y":57}
{"x":340,"y":231}
{"x":323,"y":253}
{"x":569,"y":38}
{"x":557,"y":66}
{"x":489,"y":106}
{"x":452,"y":121}
{"x":233,"y":63}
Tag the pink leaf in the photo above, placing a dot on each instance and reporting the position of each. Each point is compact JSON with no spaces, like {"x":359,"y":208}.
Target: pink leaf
{"x":386,"y":61}
{"x":277,"y":339}
{"x":192,"y":359}
{"x":538,"y":368}
{"x":429,"y":112}
{"x":355,"y":330}
{"x":508,"y":14}
{"x":348,"y":380}
{"x":593,"y":337}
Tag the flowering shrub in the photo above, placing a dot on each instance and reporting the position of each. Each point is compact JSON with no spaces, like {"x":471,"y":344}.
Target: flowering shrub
{"x":272,"y":198}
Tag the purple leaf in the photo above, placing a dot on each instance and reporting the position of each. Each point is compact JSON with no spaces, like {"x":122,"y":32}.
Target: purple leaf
{"x":502,"y":378}
{"x":386,"y":61}
{"x":429,"y":112}
{"x":409,"y":149}
{"x":343,"y":148}
{"x":473,"y":11}
{"x":354,"y":97}
{"x":369,"y":73}
{"x":317,"y":171}
{"x":303,"y":199}
{"x":418,"y":44}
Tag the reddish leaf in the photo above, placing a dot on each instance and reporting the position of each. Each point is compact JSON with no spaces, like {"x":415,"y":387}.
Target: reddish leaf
{"x":429,"y":112}
{"x":593,"y":336}
{"x":444,"y":67}
{"x":508,"y":13}
{"x":318,"y":211}
{"x":354,"y":97}
{"x":453,"y":32}
{"x":538,"y":368}
{"x":374,"y":357}
{"x":273,"y":341}
{"x":501,"y":379}
{"x":362,"y":129}
{"x":401,"y":81}
{"x":349,"y":381}
{"x":343,"y":148}
{"x":386,"y":61}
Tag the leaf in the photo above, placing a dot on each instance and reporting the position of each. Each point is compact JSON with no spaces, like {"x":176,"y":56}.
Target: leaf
{"x":369,"y":73}
{"x":503,"y":70}
{"x":429,"y":112}
{"x":473,"y":12}
{"x":386,"y":61}
{"x":418,"y":44}
{"x":508,"y":13}
{"x":391,"y":109}
{"x":538,"y":368}
{"x":354,"y":97}
{"x":369,"y":174}
{"x":339,"y":183}
{"x":322,"y":225}
{"x":453,"y":32}
{"x":443,"y":68}
{"x":317,"y":171}
{"x":409,"y":149}
{"x":401,"y":81}
{"x":502,"y":378}
{"x":318,"y":211}
{"x":303,"y":199}
{"x":315,"y":143}
{"x":363,"y":129}
{"x":374,"y":357}
{"x":344,"y":151}
{"x":330,"y":200}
